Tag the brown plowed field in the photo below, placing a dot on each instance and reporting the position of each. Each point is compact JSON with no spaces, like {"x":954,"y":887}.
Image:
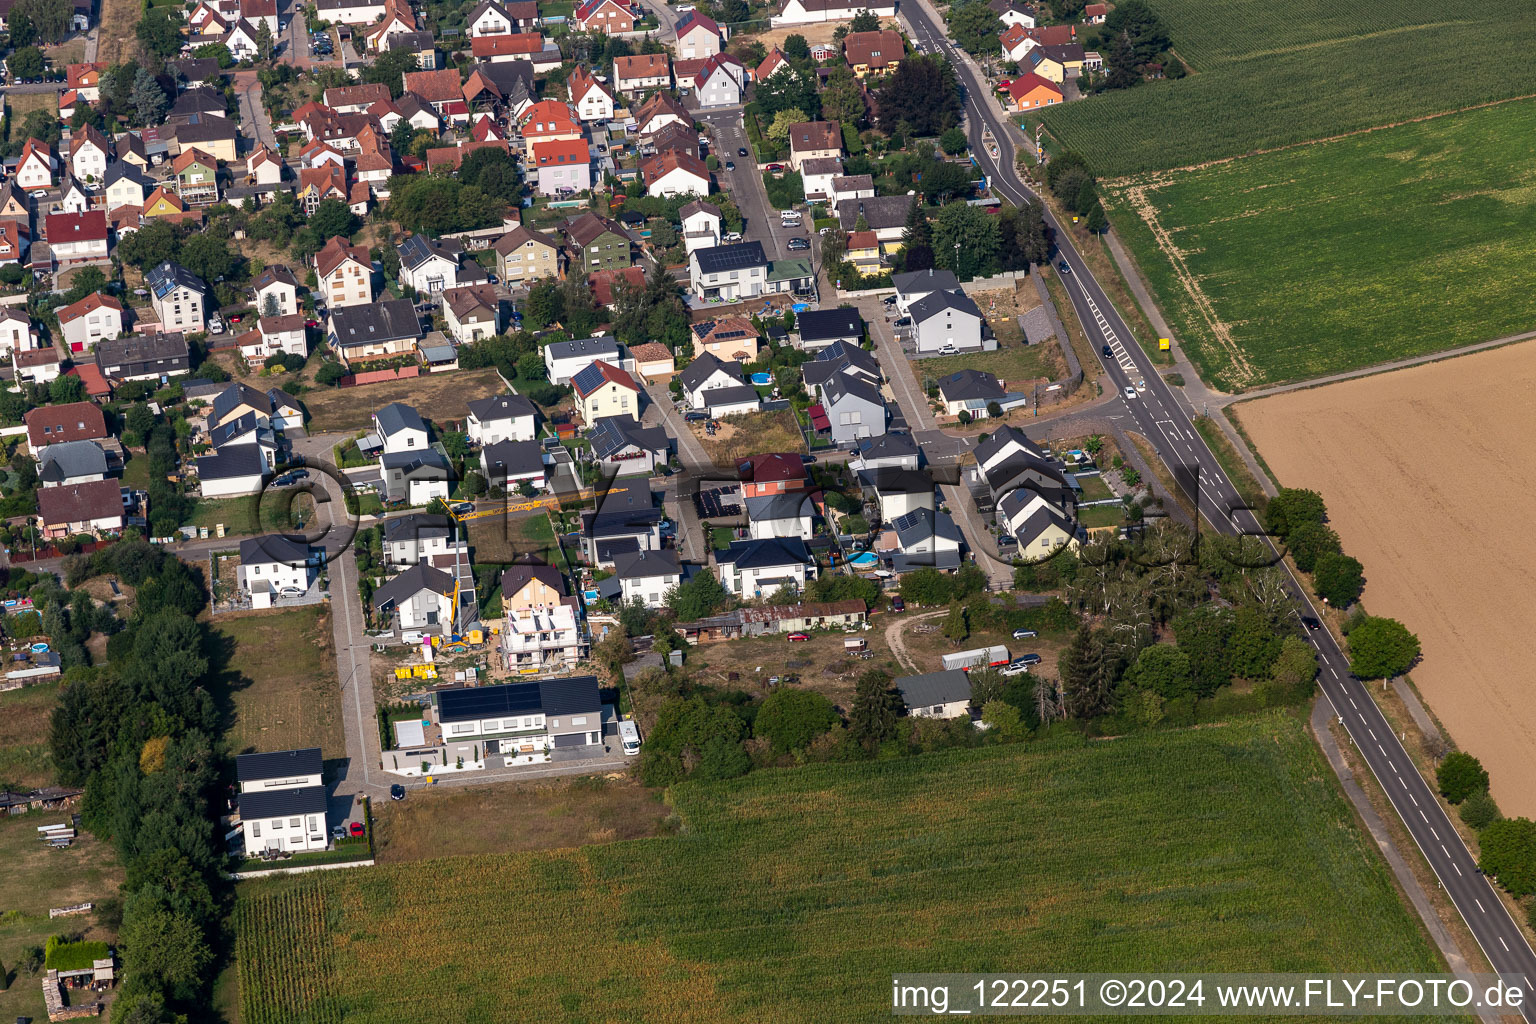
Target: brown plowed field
{"x":1427,"y":473}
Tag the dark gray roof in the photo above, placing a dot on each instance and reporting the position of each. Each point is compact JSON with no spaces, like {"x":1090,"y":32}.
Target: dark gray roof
{"x":970,"y":385}
{"x":70,"y":459}
{"x":895,"y":480}
{"x":570,"y":695}
{"x":704,"y":367}
{"x":790,"y":505}
{"x":275,"y":547}
{"x":275,"y":274}
{"x":637,"y":565}
{"x":235,"y":461}
{"x":721,"y":259}
{"x":512,"y":458}
{"x":411,"y":582}
{"x":280,"y":398}
{"x":502,"y":407}
{"x":843,"y":353}
{"x":624,"y":509}
{"x":1014,"y":466}
{"x":932,"y":688}
{"x":842,"y":387}
{"x":279,"y":764}
{"x":119,"y":169}
{"x":886,"y":446}
{"x":277,"y":803}
{"x":931,"y":280}
{"x":396,"y":417}
{"x":1037,"y":522}
{"x":880,"y":212}
{"x":601,"y":347}
{"x":237,"y":394}
{"x":1002,"y":438}
{"x":238,"y":427}
{"x":944,"y":558}
{"x":765,"y":553}
{"x":417,"y":526}
{"x":937,"y":302}
{"x":417,"y":249}
{"x":167,"y":276}
{"x":819,"y":324}
{"x":198,"y":99}
{"x":391,"y":320}
{"x":922,"y":523}
{"x":612,"y":434}
{"x":738,"y":394}
{"x":412,"y":461}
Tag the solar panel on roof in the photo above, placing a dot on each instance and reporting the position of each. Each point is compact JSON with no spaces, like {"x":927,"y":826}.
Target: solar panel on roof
{"x":588,"y":379}
{"x":488,"y":701}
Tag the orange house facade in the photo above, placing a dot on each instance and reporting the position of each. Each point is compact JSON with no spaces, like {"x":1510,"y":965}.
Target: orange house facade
{"x":1031,"y":92}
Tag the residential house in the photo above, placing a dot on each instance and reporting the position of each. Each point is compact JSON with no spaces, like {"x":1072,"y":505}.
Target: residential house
{"x":501,"y":418}
{"x":317,"y":184}
{"x":924,"y":539}
{"x":810,"y":12}
{"x":415,"y":477}
{"x":15,"y":240}
{"x":428,"y":265}
{"x":345,"y":273}
{"x":817,"y":175}
{"x":276,"y":290}
{"x":945,"y":323}
{"x":179,"y":297}
{"x":417,"y":537}
{"x":540,"y":638}
{"x":652,"y":360}
{"x":864,"y":251}
{"x":919,"y":284}
{"x":84,"y":80}
{"x":603,"y":389}
{"x":944,"y":694}
{"x":850,"y":187}
{"x":1012,"y":12}
{"x":92,"y":507}
{"x":720,"y":82}
{"x":642,"y":73}
{"x":1069,"y":56}
{"x":623,"y":447}
{"x":522,"y":719}
{"x":819,"y":328}
{"x":419,"y":599}
{"x":489,"y":18}
{"x":142,"y":357}
{"x":814,"y":140}
{"x":874,"y":53}
{"x":276,"y":565}
{"x":698,"y":36}
{"x":126,"y":185}
{"x":647,"y":576}
{"x":234,"y":470}
{"x":523,"y":256}
{"x":531,"y":47}
{"x":56,"y":424}
{"x":672,"y":174}
{"x":287,"y":413}
{"x":606,"y":17}
{"x":354,"y":99}
{"x":397,"y":21}
{"x":779,"y":515}
{"x":564,"y":166}
{"x":728,"y":273}
{"x":71,"y":462}
{"x":1008,"y":460}
{"x":854,"y":408}
{"x":897,"y":491}
{"x":197,"y":179}
{"x":564,"y":359}
{"x":841,"y":359}
{"x":473,"y":312}
{"x":1030,"y":91}
{"x":235,"y":401}
{"x":709,"y":373}
{"x":442,"y":89}
{"x":36,"y":166}
{"x":771,"y":65}
{"x":757,"y":568}
{"x":73,"y":198}
{"x":513,"y":465}
{"x":592,"y":99}
{"x":249,"y":430}
{"x":605,"y":284}
{"x":970,"y":391}
{"x":1043,"y":63}
{"x":282,"y":801}
{"x":162,"y":202}
{"x":597,"y":243}
{"x":772,"y":473}
{"x":626,"y":519}
{"x":88,"y":321}
{"x":701,"y":225}
{"x":893,"y":450}
{"x":422,"y":45}
{"x":674,"y":137}
{"x":77,"y":237}
{"x":1095,"y":14}
{"x":379,"y":331}
{"x":350,"y":12}
{"x":274,"y":335}
{"x":36,"y":366}
{"x":89,"y":154}
{"x":731,"y":338}
{"x":1038,"y":525}
{"x":1016,"y":42}
{"x":659,"y":111}
{"x":399,"y":428}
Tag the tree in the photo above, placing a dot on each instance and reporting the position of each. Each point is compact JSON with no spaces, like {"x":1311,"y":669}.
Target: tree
{"x":876,"y":708}
{"x":163,"y":950}
{"x":159,"y":32}
{"x":957,"y":625}
{"x":790,"y":719}
{"x":1023,"y":237}
{"x":1296,"y":666}
{"x":1339,"y":579}
{"x":1509,"y":854}
{"x":209,"y":257}
{"x":1162,"y":669}
{"x":266,"y":46}
{"x":389,"y":68}
{"x":1254,"y":645}
{"x":921,"y":94}
{"x":66,"y":389}
{"x":1291,"y":507}
{"x":1479,"y":810}
{"x":492,"y":171}
{"x":865,"y":21}
{"x":544,"y":305}
{"x":333,"y":218}
{"x":917,"y":239}
{"x":790,"y":89}
{"x":26,"y":62}
{"x":796,"y":48}
{"x":953,"y":141}
{"x":1085,"y":682}
{"x":1308,"y":541}
{"x":1459,"y":775}
{"x":842,"y":100}
{"x":974,"y":27}
{"x":1138,"y":24}
{"x":151,"y":244}
{"x":329,"y":373}
{"x":698,"y":598}
{"x":23,"y":32}
{"x":1203,"y":634}
{"x":1002,"y":720}
{"x":966,"y":240}
{"x":148,"y":99}
{"x":1380,"y":648}
{"x":778,"y":131}
{"x":50,"y":19}
{"x":218,"y":52}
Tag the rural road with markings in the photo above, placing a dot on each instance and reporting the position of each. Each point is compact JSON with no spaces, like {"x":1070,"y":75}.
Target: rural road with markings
{"x":1168,"y":425}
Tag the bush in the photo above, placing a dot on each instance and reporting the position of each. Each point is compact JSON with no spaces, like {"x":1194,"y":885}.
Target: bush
{"x":1509,"y":854}
{"x":1479,"y":811}
{"x":790,"y":719}
{"x":1338,"y":579}
{"x":1459,"y":775}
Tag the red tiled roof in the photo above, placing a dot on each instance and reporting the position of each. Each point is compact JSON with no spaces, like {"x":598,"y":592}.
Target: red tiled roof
{"x":605,"y":286}
{"x":90,"y":226}
{"x":80,"y":503}
{"x":641,"y":65}
{"x":1027,"y":83}
{"x":511,"y":43}
{"x":94,"y":301}
{"x":90,"y":374}
{"x":561,"y":151}
{"x":774,"y":466}
{"x":435,"y":86}
{"x":76,"y":421}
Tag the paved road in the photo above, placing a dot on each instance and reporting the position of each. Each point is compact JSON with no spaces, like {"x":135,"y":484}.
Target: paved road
{"x":252,"y":111}
{"x":745,"y":184}
{"x":1166,"y":423}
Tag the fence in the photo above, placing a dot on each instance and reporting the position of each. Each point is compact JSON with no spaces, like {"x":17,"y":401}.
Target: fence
{"x":378,"y":376}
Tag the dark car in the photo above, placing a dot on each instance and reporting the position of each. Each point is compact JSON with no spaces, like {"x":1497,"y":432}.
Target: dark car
{"x":806,"y":460}
{"x":1310,"y":622}
{"x":730,"y":165}
{"x":299,"y":474}
{"x":741,"y":151}
{"x":904,"y":321}
{"x":1027,"y":659}
{"x":695,"y":416}
{"x":898,"y":605}
{"x":1109,"y":353}
{"x":397,"y":792}
{"x":798,"y":244}
{"x":1064,"y":268}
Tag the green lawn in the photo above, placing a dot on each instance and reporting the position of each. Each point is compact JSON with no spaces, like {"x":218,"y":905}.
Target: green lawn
{"x":280,"y":678}
{"x":1270,"y":75}
{"x":24,"y":756}
{"x":1016,"y":363}
{"x":1346,"y":254}
{"x":1094,"y":488}
{"x":242,"y":516}
{"x":136,"y":472}
{"x":792,"y":895}
{"x":1102,"y":515}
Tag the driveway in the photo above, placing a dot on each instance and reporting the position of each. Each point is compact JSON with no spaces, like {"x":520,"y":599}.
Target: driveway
{"x":745,"y":184}
{"x":252,"y":111}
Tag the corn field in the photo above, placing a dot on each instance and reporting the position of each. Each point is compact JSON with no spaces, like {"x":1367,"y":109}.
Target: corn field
{"x":1269,"y":75}
{"x":792,"y":895}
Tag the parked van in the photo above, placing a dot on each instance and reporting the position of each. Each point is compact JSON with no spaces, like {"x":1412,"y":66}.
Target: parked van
{"x":629,"y":736}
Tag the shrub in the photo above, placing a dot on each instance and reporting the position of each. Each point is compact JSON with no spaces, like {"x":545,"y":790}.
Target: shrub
{"x":1380,"y":648}
{"x":1339,"y":579}
{"x":1479,"y":811}
{"x":1460,"y":775}
{"x":1509,"y":854}
{"x":790,"y":719}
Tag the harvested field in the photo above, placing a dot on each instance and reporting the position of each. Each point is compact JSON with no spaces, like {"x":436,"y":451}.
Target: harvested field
{"x":280,"y":677}
{"x":1432,"y":474}
{"x":752,"y":433}
{"x":116,"y":39}
{"x":22,"y":104}
{"x":441,"y":397}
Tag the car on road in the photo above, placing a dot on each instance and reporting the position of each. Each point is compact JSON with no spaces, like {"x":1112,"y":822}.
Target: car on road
{"x":1109,"y":353}
{"x":741,"y":150}
{"x":796,"y":638}
{"x":1310,"y":622}
{"x":1130,"y":392}
{"x":806,"y":460}
{"x":1023,"y":634}
{"x":730,"y":165}
{"x":356,"y":828}
{"x":397,"y":792}
{"x":731,"y":236}
{"x":1027,"y":659}
{"x":1062,"y":266}
{"x":463,"y":508}
{"x":799,"y":244}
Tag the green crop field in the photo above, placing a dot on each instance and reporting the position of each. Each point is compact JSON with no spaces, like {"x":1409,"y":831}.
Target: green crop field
{"x":1325,"y":258}
{"x":792,"y":895}
{"x":1269,"y":75}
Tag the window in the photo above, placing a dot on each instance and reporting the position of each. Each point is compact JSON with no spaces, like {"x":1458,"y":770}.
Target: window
{"x":255,"y":830}
{"x":277,"y":824}
{"x":579,"y":720}
{"x":314,"y":823}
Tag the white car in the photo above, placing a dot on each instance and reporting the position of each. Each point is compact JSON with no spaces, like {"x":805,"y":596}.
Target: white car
{"x":1130,"y":392}
{"x":1013,"y":668}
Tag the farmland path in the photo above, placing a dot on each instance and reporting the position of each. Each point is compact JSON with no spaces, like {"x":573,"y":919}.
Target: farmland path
{"x":894,"y":641}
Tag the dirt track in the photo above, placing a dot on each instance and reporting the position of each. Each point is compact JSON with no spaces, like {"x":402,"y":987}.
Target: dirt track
{"x":1427,"y":473}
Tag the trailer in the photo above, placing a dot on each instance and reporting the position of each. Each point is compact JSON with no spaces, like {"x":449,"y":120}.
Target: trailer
{"x":981,"y":657}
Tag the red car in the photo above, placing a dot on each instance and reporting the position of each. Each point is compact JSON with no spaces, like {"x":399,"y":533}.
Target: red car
{"x":237,"y":318}
{"x":795,"y":638}
{"x":898,"y":605}
{"x":311,"y":323}
{"x":357,"y":828}
{"x":775,"y":168}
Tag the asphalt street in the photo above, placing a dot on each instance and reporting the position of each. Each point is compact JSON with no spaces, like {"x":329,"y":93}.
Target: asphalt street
{"x":1165,"y":422}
